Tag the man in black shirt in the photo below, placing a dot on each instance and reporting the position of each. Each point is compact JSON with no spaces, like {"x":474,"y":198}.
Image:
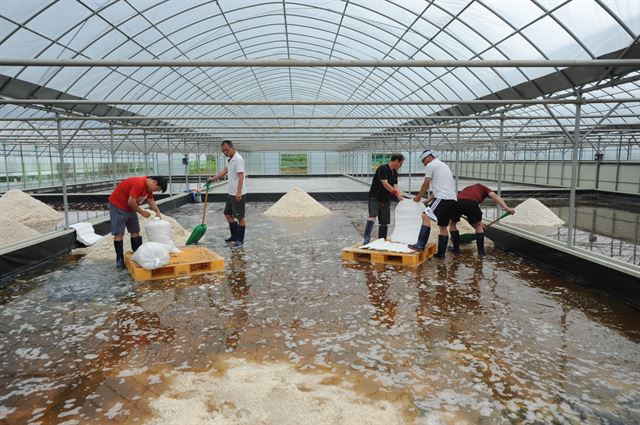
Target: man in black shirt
{"x":383,"y":186}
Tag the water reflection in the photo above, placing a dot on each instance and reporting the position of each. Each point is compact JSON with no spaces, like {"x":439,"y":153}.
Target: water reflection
{"x":378,"y":283}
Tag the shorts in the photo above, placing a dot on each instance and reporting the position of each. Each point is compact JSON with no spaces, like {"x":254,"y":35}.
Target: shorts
{"x":468,"y":208}
{"x":121,"y":219}
{"x":381,"y":210}
{"x":443,"y":210}
{"x":233,"y":207}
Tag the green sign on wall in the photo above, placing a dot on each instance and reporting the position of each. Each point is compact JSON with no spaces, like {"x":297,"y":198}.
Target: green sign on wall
{"x":293,"y":163}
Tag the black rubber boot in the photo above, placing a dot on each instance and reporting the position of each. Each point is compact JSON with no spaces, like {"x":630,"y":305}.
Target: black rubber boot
{"x":382,"y":231}
{"x":442,"y":246}
{"x":367,"y":231}
{"x":455,"y":241}
{"x":423,"y":237}
{"x":119,"y":246}
{"x":233,"y":227}
{"x":135,"y":243}
{"x":240,"y":240}
{"x":480,"y":244}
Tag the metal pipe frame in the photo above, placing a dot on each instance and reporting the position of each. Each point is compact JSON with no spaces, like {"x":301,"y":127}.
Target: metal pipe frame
{"x":296,"y":63}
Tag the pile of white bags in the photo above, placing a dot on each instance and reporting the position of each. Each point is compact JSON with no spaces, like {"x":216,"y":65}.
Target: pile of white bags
{"x":155,"y":253}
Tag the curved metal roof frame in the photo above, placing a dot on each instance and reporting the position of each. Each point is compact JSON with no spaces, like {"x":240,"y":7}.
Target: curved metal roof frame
{"x":350,"y":29}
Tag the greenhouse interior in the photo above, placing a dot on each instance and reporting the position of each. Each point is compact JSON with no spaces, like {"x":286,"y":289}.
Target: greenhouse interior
{"x":365,"y":212}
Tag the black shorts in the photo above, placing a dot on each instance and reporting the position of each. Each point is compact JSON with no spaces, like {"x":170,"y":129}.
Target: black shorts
{"x":233,"y":207}
{"x":381,"y":210}
{"x":443,"y":209}
{"x":468,"y":208}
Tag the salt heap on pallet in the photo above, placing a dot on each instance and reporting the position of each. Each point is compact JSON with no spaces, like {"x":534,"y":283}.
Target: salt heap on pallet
{"x":532,"y":215}
{"x":17,"y":205}
{"x":296,"y":204}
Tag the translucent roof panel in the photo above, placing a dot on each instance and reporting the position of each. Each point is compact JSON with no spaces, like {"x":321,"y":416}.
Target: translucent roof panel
{"x":311,"y":30}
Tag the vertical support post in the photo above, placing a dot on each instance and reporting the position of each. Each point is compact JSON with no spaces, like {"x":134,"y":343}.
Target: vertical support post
{"x":65,"y":201}
{"x":198,"y":162}
{"x":410,"y":160}
{"x":457,"y":157}
{"x":73,"y":158}
{"x":146,"y":153}
{"x":169,"y":165}
{"x":500,"y":158}
{"x":6,"y":164}
{"x":113,"y":157}
{"x":93,"y":166}
{"x":51,"y":173}
{"x":24,"y":173}
{"x":574,"y":176}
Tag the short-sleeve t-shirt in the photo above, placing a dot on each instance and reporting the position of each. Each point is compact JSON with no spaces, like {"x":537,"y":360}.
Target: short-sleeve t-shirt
{"x":235,"y":166}
{"x":377,"y":190}
{"x":136,"y":187}
{"x":442,"y":183}
{"x":476,"y":192}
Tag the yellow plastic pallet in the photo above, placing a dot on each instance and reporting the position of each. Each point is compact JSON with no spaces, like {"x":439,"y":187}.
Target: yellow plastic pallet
{"x":414,"y":259}
{"x":191,"y":261}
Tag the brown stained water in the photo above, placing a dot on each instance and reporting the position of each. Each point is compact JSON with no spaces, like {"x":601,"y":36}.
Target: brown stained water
{"x":495,"y":340}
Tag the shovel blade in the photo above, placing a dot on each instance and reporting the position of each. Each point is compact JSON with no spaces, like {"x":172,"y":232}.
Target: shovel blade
{"x":197,"y":234}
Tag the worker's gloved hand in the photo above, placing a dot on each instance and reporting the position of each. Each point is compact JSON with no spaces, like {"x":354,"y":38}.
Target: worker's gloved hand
{"x":511,"y":210}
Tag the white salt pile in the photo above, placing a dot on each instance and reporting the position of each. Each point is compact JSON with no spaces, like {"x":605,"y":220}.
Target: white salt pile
{"x":103,"y":249}
{"x":297,"y":203}
{"x":534,"y":216}
{"x":277,"y":394}
{"x":19,"y":206}
{"x":12,"y":232}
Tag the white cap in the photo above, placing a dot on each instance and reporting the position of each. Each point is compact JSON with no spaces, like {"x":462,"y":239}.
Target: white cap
{"x":426,"y":153}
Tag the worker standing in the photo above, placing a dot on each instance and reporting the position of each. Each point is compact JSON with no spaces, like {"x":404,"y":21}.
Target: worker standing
{"x":383,"y":186}
{"x":439,"y":178}
{"x":234,"y":208}
{"x":124,"y":207}
{"x":468,"y":205}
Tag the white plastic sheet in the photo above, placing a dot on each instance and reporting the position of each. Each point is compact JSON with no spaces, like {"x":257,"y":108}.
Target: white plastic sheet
{"x":407,"y":222}
{"x":85,"y":234}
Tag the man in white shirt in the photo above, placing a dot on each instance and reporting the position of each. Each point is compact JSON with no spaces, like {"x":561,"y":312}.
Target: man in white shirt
{"x":439,"y":177}
{"x":234,"y":206}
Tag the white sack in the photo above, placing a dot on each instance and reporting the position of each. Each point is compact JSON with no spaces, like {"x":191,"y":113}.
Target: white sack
{"x":152,"y":255}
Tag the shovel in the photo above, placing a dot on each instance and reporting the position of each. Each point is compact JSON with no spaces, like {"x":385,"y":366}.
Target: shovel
{"x":468,"y":237}
{"x":200,"y":229}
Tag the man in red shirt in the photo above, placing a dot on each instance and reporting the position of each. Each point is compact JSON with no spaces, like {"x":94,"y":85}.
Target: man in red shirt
{"x":124,"y":203}
{"x":468,"y":205}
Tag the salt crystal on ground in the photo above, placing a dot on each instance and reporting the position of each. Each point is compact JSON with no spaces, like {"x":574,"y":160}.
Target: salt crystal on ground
{"x":297,"y":203}
{"x":250,"y":393}
{"x":533,"y":215}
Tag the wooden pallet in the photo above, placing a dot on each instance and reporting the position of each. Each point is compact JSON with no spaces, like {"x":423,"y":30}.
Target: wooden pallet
{"x":414,"y":259}
{"x":191,"y":261}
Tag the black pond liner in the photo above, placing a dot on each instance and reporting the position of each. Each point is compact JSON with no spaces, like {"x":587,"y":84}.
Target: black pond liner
{"x":594,"y":271}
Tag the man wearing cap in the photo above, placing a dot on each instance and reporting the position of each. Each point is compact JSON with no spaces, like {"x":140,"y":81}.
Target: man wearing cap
{"x":383,"y":186}
{"x":439,"y":177}
{"x":468,"y":205}
{"x":124,"y":207}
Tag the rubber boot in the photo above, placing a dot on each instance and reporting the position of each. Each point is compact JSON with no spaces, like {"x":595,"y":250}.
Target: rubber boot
{"x":455,"y":241}
{"x":382,"y":231}
{"x":423,"y":237}
{"x":135,"y":243}
{"x":119,"y":246}
{"x":480,"y":244}
{"x":442,"y":246}
{"x":240,"y":240}
{"x":367,"y":231}
{"x":233,"y":228}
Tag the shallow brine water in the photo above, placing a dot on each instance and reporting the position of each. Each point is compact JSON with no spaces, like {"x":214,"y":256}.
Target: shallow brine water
{"x":464,"y":339}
